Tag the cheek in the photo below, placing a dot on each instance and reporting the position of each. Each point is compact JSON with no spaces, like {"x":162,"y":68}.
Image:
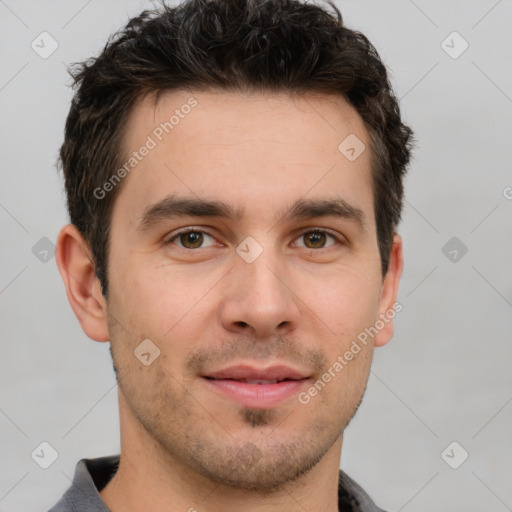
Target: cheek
{"x":346,"y":302}
{"x":165,"y":306}
{"x":145,"y":304}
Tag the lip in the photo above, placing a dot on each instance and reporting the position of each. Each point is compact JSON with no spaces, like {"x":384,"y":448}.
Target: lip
{"x":279,"y":372}
{"x":258,"y":396}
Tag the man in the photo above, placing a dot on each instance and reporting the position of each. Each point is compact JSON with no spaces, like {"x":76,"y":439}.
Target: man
{"x":234,"y":173}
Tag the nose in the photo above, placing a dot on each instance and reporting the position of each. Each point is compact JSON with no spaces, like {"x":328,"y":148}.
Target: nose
{"x":259,"y":298}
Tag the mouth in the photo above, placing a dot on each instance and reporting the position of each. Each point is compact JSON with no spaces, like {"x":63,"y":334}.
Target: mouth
{"x":257,"y":388}
{"x":256,"y":381}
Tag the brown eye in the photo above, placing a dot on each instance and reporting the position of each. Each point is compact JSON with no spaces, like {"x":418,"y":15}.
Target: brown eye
{"x":316,"y":239}
{"x":191,"y":239}
{"x":194,"y":238}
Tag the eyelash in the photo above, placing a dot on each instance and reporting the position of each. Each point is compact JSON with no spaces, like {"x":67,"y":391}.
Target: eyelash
{"x":302,"y":233}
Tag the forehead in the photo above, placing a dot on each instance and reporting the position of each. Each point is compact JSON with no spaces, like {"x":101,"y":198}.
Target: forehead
{"x":235,"y":117}
{"x":247,"y":148}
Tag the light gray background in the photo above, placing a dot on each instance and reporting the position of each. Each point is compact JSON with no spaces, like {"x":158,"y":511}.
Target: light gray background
{"x":445,"y":377}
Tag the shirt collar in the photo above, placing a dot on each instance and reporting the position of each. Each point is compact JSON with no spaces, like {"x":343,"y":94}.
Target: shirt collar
{"x":92,"y":475}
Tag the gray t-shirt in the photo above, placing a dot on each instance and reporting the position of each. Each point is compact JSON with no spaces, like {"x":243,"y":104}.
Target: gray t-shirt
{"x":92,"y":475}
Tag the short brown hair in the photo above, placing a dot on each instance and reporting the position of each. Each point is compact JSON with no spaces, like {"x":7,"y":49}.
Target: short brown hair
{"x":257,"y":45}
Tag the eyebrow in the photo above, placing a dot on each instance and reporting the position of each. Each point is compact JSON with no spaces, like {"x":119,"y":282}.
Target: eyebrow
{"x":171,"y":207}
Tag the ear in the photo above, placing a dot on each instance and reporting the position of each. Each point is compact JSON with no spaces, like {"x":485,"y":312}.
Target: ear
{"x":388,"y":306}
{"x":83,"y":288}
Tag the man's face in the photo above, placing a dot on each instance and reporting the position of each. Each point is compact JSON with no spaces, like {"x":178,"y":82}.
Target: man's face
{"x":253,"y":296}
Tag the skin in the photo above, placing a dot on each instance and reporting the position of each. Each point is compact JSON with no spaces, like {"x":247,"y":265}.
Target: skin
{"x":301,"y":302}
